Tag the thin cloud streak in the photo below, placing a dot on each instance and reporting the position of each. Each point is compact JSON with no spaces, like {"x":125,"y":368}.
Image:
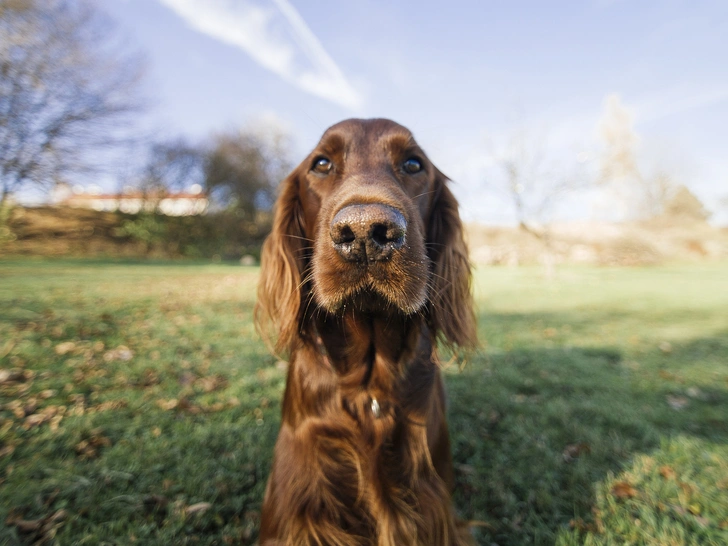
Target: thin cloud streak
{"x":678,"y":100}
{"x":275,"y":36}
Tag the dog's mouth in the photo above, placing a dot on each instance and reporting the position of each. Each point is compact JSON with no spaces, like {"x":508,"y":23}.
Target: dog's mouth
{"x":368,"y":287}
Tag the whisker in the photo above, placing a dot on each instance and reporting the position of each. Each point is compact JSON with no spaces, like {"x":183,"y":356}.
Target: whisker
{"x":424,"y":193}
{"x":298,"y":237}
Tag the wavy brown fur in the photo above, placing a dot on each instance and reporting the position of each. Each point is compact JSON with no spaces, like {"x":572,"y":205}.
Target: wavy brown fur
{"x":359,"y":331}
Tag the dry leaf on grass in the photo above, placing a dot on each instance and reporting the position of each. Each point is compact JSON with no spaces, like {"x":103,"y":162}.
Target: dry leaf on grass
{"x":90,"y":447}
{"x":122,"y":352}
{"x":167,"y":404}
{"x":49,"y":414}
{"x":65,"y":347}
{"x":212,"y":383}
{"x":623,"y":490}
{"x":199,"y":508}
{"x":581,"y":525}
{"x":15,"y":375}
{"x":38,"y":531}
{"x":677,"y":402}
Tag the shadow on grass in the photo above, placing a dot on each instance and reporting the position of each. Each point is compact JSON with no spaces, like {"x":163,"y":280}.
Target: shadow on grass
{"x":535,"y":429}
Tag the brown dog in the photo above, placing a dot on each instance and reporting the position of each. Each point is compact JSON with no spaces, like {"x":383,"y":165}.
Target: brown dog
{"x":364,"y":271}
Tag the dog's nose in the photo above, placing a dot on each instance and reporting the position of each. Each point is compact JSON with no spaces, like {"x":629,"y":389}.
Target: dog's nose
{"x":368,"y":232}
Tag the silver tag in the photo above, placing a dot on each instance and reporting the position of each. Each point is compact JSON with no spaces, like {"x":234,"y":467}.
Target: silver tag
{"x":375,"y":408}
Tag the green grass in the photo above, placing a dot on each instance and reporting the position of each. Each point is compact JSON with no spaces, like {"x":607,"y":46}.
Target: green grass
{"x":139,"y":405}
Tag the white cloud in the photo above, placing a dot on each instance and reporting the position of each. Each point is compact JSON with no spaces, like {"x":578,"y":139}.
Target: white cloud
{"x":275,"y":36}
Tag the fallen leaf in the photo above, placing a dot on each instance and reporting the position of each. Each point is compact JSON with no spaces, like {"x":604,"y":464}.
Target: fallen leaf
{"x":46,"y":394}
{"x":580,"y":525}
{"x":677,"y":402}
{"x":6,"y":348}
{"x":109,"y":405}
{"x":122,"y":352}
{"x":695,"y":392}
{"x":38,"y":531}
{"x":149,"y":378}
{"x":89,"y":448}
{"x":15,"y":375}
{"x":65,"y":347}
{"x":623,"y":490}
{"x":168,"y":404}
{"x":199,"y":508}
{"x":189,"y":407}
{"x":212,"y":383}
{"x":667,"y":472}
{"x":30,"y":406}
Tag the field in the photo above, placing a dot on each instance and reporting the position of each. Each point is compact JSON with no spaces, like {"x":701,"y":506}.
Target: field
{"x":139,"y":406}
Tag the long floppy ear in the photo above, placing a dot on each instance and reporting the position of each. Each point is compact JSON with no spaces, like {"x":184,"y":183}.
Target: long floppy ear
{"x":451,"y":300}
{"x":283,"y":260}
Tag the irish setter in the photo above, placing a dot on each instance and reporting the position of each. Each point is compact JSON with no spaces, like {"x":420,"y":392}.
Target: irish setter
{"x":364,"y":272}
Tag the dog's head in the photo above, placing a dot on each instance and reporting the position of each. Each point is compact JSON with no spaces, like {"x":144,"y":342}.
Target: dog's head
{"x":366,"y":222}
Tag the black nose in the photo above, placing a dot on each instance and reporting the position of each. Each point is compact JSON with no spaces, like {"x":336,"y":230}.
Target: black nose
{"x":369,"y":232}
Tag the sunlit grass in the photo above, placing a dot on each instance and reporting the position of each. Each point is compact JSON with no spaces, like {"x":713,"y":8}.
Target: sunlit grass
{"x":139,"y":406}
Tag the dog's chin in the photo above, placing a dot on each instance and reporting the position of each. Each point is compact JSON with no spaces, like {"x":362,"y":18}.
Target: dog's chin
{"x":372,"y":298}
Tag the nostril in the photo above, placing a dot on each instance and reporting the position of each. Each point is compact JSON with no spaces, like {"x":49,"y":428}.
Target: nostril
{"x":344,"y":235}
{"x":383,"y":234}
{"x":379,"y":234}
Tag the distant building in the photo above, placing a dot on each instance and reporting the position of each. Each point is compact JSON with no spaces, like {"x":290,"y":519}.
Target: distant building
{"x":188,"y":203}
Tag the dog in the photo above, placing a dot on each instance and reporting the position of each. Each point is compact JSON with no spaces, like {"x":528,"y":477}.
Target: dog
{"x":364,"y":273}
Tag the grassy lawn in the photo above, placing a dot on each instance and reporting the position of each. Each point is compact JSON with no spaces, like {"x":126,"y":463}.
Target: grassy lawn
{"x":138,"y":405}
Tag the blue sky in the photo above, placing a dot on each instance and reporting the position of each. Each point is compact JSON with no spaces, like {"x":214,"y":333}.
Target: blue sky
{"x":461,"y":75}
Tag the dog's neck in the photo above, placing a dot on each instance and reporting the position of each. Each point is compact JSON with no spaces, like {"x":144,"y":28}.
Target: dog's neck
{"x":363,"y":360}
{"x":357,"y":342}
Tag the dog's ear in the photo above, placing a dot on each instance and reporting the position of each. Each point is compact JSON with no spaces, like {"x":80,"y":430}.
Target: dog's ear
{"x":283,"y":261}
{"x":451,"y":313}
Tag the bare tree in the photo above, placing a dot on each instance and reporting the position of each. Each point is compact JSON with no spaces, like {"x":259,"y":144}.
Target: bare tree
{"x":173,"y":165}
{"x":66,"y":91}
{"x":535,"y":180}
{"x":531,"y":179}
{"x":243,"y":169}
{"x":640,"y":193}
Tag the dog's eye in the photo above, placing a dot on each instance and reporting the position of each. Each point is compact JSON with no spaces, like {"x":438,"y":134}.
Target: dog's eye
{"x":322,"y":165}
{"x":412,"y":166}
